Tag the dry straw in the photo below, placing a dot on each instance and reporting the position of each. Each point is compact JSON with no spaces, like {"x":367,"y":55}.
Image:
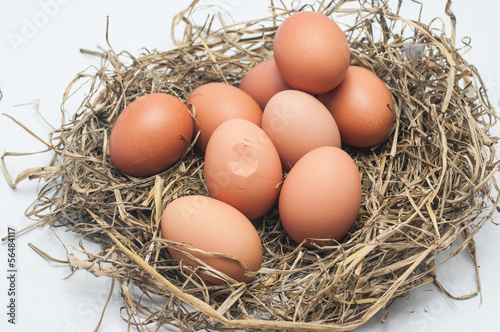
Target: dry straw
{"x":428,"y":185}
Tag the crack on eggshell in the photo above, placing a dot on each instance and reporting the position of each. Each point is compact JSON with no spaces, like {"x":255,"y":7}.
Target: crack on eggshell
{"x":243,"y":162}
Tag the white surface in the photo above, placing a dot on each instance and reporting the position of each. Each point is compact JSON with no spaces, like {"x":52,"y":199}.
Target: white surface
{"x":39,"y":55}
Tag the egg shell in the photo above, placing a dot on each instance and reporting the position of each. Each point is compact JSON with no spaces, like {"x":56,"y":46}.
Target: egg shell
{"x":217,"y":102}
{"x":150,"y":134}
{"x":215,"y":227}
{"x":311,"y":52}
{"x":297,"y":123}
{"x":243,"y":168}
{"x":263,"y":81}
{"x":362,"y":107}
{"x":320,"y":197}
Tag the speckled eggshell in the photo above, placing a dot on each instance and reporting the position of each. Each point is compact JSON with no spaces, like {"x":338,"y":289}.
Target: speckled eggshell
{"x":213,"y":226}
{"x":297,"y":123}
{"x":362,"y":107}
{"x":215,"y":103}
{"x":150,"y":134}
{"x":320,"y":197}
{"x":243,"y":168}
{"x":311,"y":52}
{"x":263,"y":81}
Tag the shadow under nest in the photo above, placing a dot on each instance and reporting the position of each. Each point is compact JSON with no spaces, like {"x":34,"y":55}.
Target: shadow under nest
{"x":428,"y":184}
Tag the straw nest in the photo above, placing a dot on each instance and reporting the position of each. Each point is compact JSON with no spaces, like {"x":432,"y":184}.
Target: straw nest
{"x":429,"y":184}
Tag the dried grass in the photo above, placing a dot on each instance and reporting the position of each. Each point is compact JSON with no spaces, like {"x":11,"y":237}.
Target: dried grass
{"x":429,"y":184}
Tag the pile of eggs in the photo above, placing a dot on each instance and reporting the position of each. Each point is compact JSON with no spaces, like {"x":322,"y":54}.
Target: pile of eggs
{"x":289,"y":116}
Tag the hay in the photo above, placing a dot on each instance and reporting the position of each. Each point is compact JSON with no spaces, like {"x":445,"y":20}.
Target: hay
{"x":429,"y":184}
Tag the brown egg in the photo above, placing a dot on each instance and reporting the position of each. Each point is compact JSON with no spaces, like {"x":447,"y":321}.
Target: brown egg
{"x":311,"y":52}
{"x":362,"y":107}
{"x":217,"y":102}
{"x":243,"y":168}
{"x":297,"y":123}
{"x":320,"y":197}
{"x":263,"y":81}
{"x":150,"y":134}
{"x":215,"y":227}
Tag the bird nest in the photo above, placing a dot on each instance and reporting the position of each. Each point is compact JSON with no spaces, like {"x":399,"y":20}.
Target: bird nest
{"x":430,"y":183}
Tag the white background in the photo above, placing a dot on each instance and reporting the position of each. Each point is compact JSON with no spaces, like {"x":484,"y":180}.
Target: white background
{"x":39,"y":56}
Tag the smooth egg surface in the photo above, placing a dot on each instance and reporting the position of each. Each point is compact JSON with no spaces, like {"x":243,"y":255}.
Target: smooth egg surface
{"x":215,"y":103}
{"x":150,"y":134}
{"x":311,"y":52}
{"x":297,"y":123}
{"x":263,"y":81}
{"x":215,"y":227}
{"x":362,"y":107}
{"x":320,"y":197}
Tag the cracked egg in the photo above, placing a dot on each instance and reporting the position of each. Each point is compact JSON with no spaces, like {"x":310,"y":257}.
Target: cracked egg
{"x":243,"y":168}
